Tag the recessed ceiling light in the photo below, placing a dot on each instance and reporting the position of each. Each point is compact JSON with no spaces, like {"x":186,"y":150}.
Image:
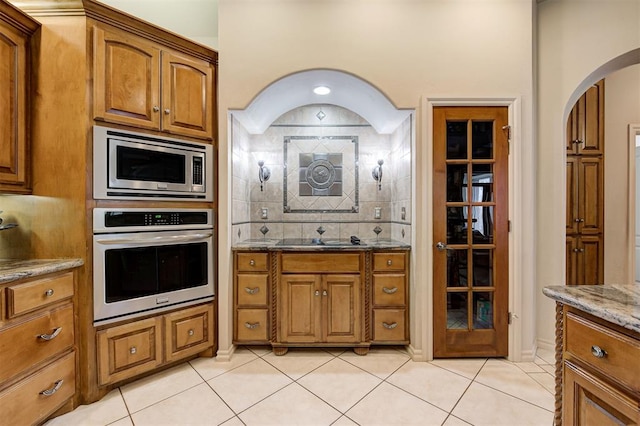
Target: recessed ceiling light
{"x":321,"y":90}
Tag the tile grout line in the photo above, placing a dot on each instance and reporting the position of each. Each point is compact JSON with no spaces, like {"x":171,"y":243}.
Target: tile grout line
{"x":465,"y":391}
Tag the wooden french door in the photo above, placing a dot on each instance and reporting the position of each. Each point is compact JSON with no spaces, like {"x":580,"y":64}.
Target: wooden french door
{"x":470,"y":230}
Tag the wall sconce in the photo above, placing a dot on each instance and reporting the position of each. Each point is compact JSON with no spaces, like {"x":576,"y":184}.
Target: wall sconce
{"x":263,"y":174}
{"x":377,"y":173}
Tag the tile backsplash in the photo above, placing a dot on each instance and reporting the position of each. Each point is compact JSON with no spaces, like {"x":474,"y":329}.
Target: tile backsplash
{"x":297,"y":215}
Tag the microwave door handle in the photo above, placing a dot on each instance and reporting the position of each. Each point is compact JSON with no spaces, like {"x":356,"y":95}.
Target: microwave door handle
{"x":141,"y":239}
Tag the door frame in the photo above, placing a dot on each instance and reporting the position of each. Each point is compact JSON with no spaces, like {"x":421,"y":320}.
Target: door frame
{"x":634,"y":130}
{"x":521,"y":237}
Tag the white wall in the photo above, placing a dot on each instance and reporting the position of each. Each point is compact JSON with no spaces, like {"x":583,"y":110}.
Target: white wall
{"x":575,"y":38}
{"x":194,"y":19}
{"x":622,"y":107}
{"x":410,"y":51}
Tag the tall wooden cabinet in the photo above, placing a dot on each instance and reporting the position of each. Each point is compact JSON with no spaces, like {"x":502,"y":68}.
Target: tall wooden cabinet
{"x":585,"y":189}
{"x":16,"y":31}
{"x":97,"y":65}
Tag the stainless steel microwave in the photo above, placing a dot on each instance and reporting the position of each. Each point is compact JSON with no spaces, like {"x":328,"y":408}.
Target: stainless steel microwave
{"x":129,"y":165}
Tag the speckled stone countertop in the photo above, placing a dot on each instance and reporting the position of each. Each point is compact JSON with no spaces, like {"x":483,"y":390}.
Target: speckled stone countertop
{"x":289,"y":244}
{"x":618,"y":304}
{"x":15,"y":269}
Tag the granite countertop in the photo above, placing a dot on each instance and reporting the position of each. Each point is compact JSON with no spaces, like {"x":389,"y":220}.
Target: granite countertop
{"x":616,"y":303}
{"x":15,"y":269}
{"x":296,"y":244}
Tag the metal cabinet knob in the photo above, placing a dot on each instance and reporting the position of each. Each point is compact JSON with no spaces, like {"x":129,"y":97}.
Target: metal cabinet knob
{"x":133,"y":350}
{"x":56,"y":386}
{"x":324,"y":293}
{"x":252,"y":262}
{"x":317,"y":293}
{"x":389,"y":262}
{"x":598,"y":352}
{"x":156,"y":108}
{"x":167,"y":111}
{"x":190,"y":332}
{"x":49,"y":292}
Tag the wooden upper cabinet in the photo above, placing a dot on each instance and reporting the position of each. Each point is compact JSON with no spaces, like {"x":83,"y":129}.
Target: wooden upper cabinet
{"x":585,"y":126}
{"x":143,"y":84}
{"x":15,"y":38}
{"x":126,"y":80}
{"x":187,"y":96}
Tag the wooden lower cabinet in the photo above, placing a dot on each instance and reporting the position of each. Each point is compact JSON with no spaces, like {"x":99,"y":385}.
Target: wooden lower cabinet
{"x":128,"y":350}
{"x":600,"y":372}
{"x":286,"y":298}
{"x":37,"y":348}
{"x":320,"y":309}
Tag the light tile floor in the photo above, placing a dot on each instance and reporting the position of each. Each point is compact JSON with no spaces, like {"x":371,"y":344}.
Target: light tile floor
{"x":331,"y":387}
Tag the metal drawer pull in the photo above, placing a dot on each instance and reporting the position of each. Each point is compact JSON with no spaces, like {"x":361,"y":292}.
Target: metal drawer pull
{"x":51,"y":336}
{"x":49,"y":292}
{"x":56,"y":386}
{"x":598,"y":352}
{"x":252,"y":290}
{"x":190,"y":332}
{"x":252,"y":262}
{"x":389,"y":326}
{"x":133,"y":350}
{"x":252,"y":326}
{"x":389,"y":290}
{"x":389,"y":262}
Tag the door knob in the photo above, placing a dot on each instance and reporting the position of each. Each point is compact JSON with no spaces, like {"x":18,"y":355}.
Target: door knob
{"x":442,"y":246}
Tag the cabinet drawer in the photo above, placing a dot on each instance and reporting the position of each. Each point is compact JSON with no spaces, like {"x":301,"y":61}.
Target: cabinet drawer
{"x":24,"y":403}
{"x":25,"y":344}
{"x":321,"y":262}
{"x":252,"y":289}
{"x":389,"y":325}
{"x":247,"y":262}
{"x":188,"y":332}
{"x":583,"y":337}
{"x":388,"y":261}
{"x":127,"y":350}
{"x":252,"y":325}
{"x":28,"y":296}
{"x":389,"y":289}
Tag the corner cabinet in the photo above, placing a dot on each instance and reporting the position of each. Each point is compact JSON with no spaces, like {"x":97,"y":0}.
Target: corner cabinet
{"x":146,"y":85}
{"x":599,"y":373}
{"x":325,"y":298}
{"x":16,"y":30}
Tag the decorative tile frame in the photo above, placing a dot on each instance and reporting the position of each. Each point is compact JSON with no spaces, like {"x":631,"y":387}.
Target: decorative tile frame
{"x":321,"y":147}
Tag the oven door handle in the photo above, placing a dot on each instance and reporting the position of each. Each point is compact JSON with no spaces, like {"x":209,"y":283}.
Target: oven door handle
{"x":141,"y":239}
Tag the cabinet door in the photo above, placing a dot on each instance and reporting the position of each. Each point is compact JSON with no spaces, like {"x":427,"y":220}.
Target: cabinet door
{"x":590,"y":195}
{"x":128,"y":350}
{"x":188,"y":332}
{"x":572,"y":260}
{"x":126,"y":72}
{"x":341,"y":300}
{"x":573,"y":218}
{"x":589,"y":401}
{"x":187,"y":96}
{"x":585,"y":125}
{"x":13,"y":97}
{"x":300,"y":309}
{"x":590,"y":268}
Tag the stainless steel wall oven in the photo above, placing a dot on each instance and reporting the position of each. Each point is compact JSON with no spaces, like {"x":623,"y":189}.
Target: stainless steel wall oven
{"x":148,"y":260}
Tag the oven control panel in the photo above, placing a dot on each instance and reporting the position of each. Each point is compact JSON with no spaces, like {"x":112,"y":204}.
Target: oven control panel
{"x":119,"y":220}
